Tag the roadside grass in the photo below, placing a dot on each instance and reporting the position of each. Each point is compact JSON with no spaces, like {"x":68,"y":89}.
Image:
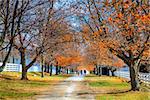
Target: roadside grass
{"x":112,"y":85}
{"x":125,"y":96}
{"x":11,"y":87}
{"x":114,"y":88}
{"x":33,"y":76}
{"x":107,"y":83}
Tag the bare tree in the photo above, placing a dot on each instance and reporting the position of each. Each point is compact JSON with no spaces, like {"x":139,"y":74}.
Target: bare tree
{"x":8,"y":18}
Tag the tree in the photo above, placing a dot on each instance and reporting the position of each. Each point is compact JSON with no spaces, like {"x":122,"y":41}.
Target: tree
{"x":57,"y":32}
{"x":8,"y":18}
{"x":124,"y":32}
{"x":69,"y":61}
{"x":39,"y":32}
{"x":133,"y":35}
{"x":29,"y":25}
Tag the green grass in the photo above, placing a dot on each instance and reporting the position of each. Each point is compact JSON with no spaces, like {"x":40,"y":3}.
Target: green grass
{"x":125,"y":96}
{"x":18,"y":88}
{"x":109,"y":84}
{"x":11,"y":87}
{"x":33,"y":76}
{"x":10,"y":94}
{"x":114,"y":88}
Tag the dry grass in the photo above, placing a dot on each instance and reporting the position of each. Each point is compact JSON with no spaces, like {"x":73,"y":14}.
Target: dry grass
{"x":11,"y":87}
{"x":125,"y":96}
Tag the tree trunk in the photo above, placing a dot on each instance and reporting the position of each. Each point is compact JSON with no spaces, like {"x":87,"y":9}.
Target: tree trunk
{"x":42,"y":65}
{"x":51,"y":67}
{"x":45,"y":68}
{"x":59,"y":71}
{"x":23,"y":63}
{"x":48,"y":68}
{"x":24,"y":74}
{"x":11,"y":32}
{"x":107,"y":72}
{"x":112,"y":72}
{"x":42,"y":73}
{"x":135,"y":86}
{"x":56,"y":70}
{"x":99,"y":71}
{"x":13,"y":59}
{"x":96,"y":70}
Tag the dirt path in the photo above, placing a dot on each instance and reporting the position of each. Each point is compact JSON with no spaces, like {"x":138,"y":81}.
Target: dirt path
{"x":72,"y":88}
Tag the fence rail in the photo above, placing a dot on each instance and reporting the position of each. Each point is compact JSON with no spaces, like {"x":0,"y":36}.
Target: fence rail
{"x":12,"y":67}
{"x":144,"y":77}
{"x":17,"y":68}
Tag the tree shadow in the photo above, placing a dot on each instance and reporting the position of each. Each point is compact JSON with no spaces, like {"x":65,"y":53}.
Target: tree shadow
{"x":118,"y":92}
{"x":6,"y":77}
{"x":94,"y":93}
{"x":35,"y":73}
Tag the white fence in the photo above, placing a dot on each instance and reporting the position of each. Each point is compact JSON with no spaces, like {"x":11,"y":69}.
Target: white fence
{"x":18,"y":68}
{"x":123,"y":74}
{"x":144,"y":77}
{"x":12,"y":67}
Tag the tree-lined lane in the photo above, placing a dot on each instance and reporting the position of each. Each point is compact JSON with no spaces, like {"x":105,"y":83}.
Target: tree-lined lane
{"x":73,"y":88}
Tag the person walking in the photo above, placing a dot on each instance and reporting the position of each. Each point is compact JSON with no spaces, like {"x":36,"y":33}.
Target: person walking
{"x":84,"y":72}
{"x":81,"y":72}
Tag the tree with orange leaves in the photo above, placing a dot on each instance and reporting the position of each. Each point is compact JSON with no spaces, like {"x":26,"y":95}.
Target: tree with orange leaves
{"x":133,"y":33}
{"x":68,"y":62}
{"x":125,"y":30}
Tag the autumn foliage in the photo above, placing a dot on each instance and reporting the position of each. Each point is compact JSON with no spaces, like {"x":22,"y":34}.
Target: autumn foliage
{"x":67,"y":61}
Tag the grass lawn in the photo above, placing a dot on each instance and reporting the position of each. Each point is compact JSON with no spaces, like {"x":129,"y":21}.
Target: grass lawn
{"x":124,"y":96}
{"x":114,"y":88}
{"x":107,"y":83}
{"x":11,"y":87}
{"x":112,"y":85}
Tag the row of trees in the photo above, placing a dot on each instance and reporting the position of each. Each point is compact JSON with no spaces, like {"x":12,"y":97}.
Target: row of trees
{"x":104,"y":32}
{"x":33,"y":29}
{"x":122,"y":28}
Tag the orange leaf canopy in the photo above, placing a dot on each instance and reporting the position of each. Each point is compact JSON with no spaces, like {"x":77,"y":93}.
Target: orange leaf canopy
{"x":87,"y":67}
{"x":66,"y":61}
{"x":118,"y":63}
